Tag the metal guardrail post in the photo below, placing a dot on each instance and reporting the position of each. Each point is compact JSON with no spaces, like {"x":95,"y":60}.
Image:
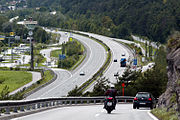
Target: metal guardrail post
{"x":15,"y":110}
{"x":33,"y":106}
{"x":22,"y":108}
{"x":70,"y":102}
{"x":38,"y":105}
{"x":28,"y":107}
{"x":43,"y":104}
{"x":6,"y":106}
{"x":7,"y":109}
{"x":47,"y":104}
{"x":60,"y":102}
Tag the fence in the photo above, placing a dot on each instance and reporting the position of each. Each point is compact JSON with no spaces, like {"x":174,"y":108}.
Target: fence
{"x":13,"y":108}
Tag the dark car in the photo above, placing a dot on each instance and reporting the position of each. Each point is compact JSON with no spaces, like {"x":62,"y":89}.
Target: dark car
{"x":115,"y":60}
{"x":123,"y":62}
{"x":144,"y":99}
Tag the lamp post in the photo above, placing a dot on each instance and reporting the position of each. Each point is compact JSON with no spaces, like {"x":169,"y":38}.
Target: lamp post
{"x":31,"y":51}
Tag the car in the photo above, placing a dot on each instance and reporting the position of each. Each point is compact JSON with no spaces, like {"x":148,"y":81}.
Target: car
{"x":116,"y":74}
{"x":123,"y":62}
{"x":82,"y":73}
{"x":144,"y":99}
{"x":115,"y":60}
{"x":123,"y":54}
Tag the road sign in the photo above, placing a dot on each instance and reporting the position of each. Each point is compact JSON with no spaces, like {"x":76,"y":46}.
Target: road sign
{"x":62,"y":57}
{"x":11,"y":33}
{"x":17,"y":37}
{"x":2,"y":37}
{"x":135,"y":62}
{"x":123,"y":84}
{"x":143,"y":59}
{"x":70,"y":39}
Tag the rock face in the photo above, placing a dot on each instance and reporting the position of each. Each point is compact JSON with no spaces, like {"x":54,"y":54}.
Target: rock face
{"x":171,"y":98}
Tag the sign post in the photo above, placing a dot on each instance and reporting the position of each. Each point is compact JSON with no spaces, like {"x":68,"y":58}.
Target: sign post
{"x":135,"y":62}
{"x":123,"y":85}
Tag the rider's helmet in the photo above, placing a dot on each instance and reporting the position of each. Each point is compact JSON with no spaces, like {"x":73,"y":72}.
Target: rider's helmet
{"x":112,"y":86}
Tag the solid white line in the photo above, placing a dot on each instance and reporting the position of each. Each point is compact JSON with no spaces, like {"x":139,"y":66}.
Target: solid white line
{"x":56,"y":86}
{"x":97,"y":115}
{"x":152,"y":116}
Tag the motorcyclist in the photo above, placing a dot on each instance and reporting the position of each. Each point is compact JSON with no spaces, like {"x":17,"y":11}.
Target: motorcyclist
{"x":112,"y":92}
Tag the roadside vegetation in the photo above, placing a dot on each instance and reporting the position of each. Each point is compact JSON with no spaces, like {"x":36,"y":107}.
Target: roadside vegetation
{"x":78,"y":91}
{"x":12,"y":80}
{"x":73,"y":52}
{"x":154,"y":19}
{"x":162,"y":114}
{"x":153,"y":80}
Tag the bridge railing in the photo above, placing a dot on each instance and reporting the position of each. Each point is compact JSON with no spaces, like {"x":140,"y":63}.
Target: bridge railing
{"x":15,"y":106}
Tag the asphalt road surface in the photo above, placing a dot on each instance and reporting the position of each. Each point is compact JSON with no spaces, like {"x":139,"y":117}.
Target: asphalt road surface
{"x":66,"y":80}
{"x":117,"y":51}
{"x":91,"y":112}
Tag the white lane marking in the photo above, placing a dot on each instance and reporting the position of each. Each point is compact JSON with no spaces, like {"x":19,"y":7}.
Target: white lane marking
{"x":97,"y":115}
{"x":103,"y":110}
{"x":152,"y":116}
{"x":55,"y":87}
{"x":90,"y":57}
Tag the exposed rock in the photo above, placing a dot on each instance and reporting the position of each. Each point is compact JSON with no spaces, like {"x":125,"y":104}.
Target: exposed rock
{"x":171,"y":97}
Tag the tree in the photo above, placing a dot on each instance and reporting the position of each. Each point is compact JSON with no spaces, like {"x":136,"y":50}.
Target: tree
{"x":5,"y":93}
{"x":100,"y":87}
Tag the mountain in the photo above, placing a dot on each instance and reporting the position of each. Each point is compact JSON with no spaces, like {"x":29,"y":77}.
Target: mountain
{"x":170,"y":99}
{"x":119,"y":18}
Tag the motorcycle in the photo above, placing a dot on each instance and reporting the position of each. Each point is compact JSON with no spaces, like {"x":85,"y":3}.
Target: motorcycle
{"x":109,"y":104}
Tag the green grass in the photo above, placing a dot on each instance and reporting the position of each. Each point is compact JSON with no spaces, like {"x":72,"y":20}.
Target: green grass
{"x":46,"y":78}
{"x":14,"y":79}
{"x":162,"y":114}
{"x":55,"y":53}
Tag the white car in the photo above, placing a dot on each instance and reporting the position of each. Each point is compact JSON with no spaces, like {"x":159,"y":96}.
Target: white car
{"x":82,"y":73}
{"x":123,"y":54}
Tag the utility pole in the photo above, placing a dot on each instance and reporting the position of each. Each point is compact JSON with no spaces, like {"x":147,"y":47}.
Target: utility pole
{"x":31,"y":51}
{"x":30,"y":25}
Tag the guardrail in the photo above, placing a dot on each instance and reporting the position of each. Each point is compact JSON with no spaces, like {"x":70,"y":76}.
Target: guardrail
{"x":13,"y":108}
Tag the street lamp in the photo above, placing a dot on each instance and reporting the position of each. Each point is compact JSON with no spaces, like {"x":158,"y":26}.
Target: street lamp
{"x":31,"y":50}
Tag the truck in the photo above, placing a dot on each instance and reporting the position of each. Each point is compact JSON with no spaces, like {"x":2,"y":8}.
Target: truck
{"x":123,"y":62}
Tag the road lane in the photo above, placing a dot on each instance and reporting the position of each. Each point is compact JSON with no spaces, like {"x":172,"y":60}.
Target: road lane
{"x":92,"y":112}
{"x":66,"y":81}
{"x":117,"y":51}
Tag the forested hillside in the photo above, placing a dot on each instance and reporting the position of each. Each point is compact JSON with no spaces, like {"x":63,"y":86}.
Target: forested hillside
{"x":117,"y":18}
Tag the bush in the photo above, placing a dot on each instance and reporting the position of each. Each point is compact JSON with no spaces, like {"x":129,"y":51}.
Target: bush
{"x":162,"y":114}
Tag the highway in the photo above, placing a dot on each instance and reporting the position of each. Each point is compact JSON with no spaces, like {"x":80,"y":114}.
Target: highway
{"x":66,"y":80}
{"x":91,"y":112}
{"x":117,"y":51}
{"x":96,"y":56}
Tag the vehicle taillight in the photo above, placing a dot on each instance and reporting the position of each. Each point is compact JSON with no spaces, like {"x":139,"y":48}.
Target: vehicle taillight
{"x":110,"y":98}
{"x":150,"y":99}
{"x":135,"y":98}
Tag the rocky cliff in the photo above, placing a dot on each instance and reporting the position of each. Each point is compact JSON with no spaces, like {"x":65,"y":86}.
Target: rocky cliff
{"x":171,"y":97}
